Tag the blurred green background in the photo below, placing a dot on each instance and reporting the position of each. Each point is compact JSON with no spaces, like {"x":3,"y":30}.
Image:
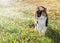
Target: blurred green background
{"x":17,"y":19}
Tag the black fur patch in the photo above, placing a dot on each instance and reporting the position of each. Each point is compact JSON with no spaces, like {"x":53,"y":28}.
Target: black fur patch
{"x":39,"y":13}
{"x":46,"y":24}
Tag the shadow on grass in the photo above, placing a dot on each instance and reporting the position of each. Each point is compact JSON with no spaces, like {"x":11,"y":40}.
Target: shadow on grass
{"x":53,"y":34}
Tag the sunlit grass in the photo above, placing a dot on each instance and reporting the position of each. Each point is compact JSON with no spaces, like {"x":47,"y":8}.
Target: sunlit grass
{"x":17,"y":25}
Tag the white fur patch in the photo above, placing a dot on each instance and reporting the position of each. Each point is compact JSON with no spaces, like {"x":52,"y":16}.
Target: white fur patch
{"x":41,"y":24}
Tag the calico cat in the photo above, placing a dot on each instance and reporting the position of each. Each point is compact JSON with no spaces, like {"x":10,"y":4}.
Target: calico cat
{"x":41,"y":20}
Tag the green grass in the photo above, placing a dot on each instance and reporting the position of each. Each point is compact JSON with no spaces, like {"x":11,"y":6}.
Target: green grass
{"x":13,"y":31}
{"x":17,"y":26}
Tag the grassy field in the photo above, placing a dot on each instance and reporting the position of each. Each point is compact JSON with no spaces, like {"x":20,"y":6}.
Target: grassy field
{"x":16,"y":22}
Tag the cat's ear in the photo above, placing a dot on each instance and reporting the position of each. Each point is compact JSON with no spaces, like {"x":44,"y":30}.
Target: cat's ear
{"x":45,"y":9}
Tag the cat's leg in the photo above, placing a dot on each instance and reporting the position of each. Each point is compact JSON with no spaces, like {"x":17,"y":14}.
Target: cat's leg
{"x":39,"y":28}
{"x":44,"y":30}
